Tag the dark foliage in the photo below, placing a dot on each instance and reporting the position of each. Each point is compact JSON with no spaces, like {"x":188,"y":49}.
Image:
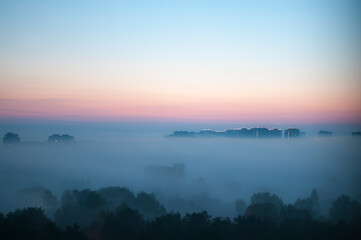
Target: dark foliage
{"x":79,"y":207}
{"x":265,"y":210}
{"x":83,"y":207}
{"x":310,"y":203}
{"x":123,"y":223}
{"x":343,"y":209}
{"x":30,"y":223}
{"x":266,"y":197}
{"x":261,"y":220}
{"x":117,"y":195}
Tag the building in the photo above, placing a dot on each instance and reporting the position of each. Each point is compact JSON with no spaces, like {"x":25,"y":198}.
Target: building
{"x":275,"y":132}
{"x":356,"y":134}
{"x":262,"y":132}
{"x":323,"y":133}
{"x":258,"y":132}
{"x":11,"y":138}
{"x":56,"y":138}
{"x":182,"y":134}
{"x":292,"y":132}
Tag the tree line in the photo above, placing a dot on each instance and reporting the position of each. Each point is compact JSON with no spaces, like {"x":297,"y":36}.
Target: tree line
{"x":117,"y":213}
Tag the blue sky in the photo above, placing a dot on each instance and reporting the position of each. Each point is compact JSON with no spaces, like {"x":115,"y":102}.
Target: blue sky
{"x":181,"y":53}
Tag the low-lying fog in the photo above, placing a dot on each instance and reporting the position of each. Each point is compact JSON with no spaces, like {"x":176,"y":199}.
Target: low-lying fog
{"x":217,"y":170}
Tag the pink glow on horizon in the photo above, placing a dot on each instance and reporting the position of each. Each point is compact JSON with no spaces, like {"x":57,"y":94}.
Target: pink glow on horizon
{"x":158,"y":109}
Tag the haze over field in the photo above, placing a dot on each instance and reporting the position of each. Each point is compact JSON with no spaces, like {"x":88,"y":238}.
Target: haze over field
{"x":224,"y":168}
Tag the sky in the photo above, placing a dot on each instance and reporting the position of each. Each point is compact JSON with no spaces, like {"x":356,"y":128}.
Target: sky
{"x":223,"y":61}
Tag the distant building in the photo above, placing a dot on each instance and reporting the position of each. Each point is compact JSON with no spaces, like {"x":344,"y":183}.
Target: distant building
{"x":207,"y":133}
{"x":56,"y":138}
{"x":292,"y":132}
{"x":323,"y":133}
{"x":11,"y":138}
{"x":182,"y":134}
{"x":262,"y":132}
{"x":356,"y":134}
{"x":175,"y":172}
{"x":275,"y":132}
{"x":258,"y":132}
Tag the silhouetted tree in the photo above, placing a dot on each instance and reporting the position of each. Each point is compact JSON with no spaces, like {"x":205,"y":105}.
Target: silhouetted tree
{"x":80,"y":207}
{"x":197,"y":225}
{"x":265,"y":210}
{"x":222,"y":228}
{"x":252,"y":227}
{"x":315,"y":201}
{"x":310,"y":203}
{"x":304,"y":204}
{"x":1,"y":225}
{"x":74,"y":233}
{"x":168,"y":226}
{"x":123,"y":223}
{"x":260,"y":221}
{"x":343,"y":209}
{"x":29,"y":223}
{"x":291,"y":212}
{"x":148,"y":205}
{"x":266,"y":197}
{"x":115,"y":196}
{"x":11,"y":138}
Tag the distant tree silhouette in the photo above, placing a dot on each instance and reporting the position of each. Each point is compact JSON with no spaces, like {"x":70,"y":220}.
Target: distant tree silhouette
{"x":252,"y":227}
{"x":82,"y":207}
{"x":264,"y":210}
{"x":222,"y":228}
{"x":123,"y":223}
{"x":197,"y":225}
{"x":29,"y":223}
{"x":79,"y":207}
{"x":315,"y":201}
{"x":344,"y":209}
{"x":145,"y":203}
{"x":291,"y":212}
{"x":260,"y":221}
{"x":11,"y":138}
{"x":310,"y":203}
{"x":304,"y":204}
{"x":2,"y":220}
{"x":266,"y":197}
{"x":148,"y":205}
{"x":74,"y":233}
{"x":165,"y":227}
{"x":116,"y":196}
